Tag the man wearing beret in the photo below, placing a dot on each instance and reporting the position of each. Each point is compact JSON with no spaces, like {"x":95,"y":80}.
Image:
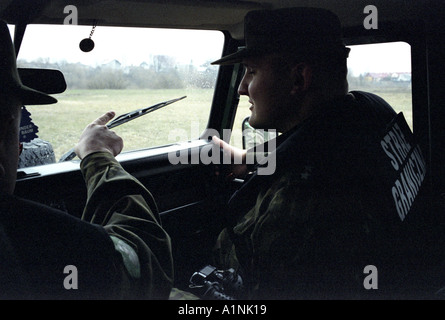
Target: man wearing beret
{"x":333,"y":209}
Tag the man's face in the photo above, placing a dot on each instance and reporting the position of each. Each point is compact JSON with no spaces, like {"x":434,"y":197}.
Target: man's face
{"x":269,"y":90}
{"x":9,"y":143}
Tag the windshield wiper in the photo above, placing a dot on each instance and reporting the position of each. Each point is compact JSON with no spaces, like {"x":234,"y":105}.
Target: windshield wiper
{"x":125,"y":118}
{"x":140,"y":112}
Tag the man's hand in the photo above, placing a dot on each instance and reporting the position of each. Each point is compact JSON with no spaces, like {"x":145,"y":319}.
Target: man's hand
{"x":235,"y":170}
{"x":97,"y":137}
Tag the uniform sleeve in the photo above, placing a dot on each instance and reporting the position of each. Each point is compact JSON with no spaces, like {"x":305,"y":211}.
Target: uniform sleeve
{"x":128,"y":212}
{"x":292,"y":243}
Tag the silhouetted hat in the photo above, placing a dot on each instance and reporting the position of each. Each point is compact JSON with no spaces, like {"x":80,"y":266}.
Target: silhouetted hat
{"x":10,"y":82}
{"x":300,"y":30}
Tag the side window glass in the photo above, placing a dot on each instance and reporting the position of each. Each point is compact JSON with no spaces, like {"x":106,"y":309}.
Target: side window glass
{"x":383,"y":69}
{"x":128,"y":69}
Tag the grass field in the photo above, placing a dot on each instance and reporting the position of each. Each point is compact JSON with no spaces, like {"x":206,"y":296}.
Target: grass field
{"x":62,"y":123}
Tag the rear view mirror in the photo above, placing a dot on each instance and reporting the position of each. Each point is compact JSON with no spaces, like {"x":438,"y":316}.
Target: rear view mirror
{"x":49,"y":81}
{"x":248,"y":134}
{"x":253,"y":137}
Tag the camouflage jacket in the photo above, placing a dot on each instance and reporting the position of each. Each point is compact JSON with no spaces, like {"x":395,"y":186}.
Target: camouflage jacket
{"x":119,"y":249}
{"x":310,"y":229}
{"x":127,"y":211}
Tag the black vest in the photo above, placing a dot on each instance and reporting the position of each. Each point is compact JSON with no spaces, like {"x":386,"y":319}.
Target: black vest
{"x":40,"y":247}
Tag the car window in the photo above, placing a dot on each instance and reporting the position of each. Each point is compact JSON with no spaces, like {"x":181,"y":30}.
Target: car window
{"x":128,"y":69}
{"x":383,"y":69}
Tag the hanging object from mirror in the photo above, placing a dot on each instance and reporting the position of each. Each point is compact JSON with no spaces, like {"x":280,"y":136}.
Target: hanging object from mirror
{"x":87,"y":44}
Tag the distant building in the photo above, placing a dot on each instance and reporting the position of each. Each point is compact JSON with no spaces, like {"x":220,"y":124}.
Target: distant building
{"x":113,"y":64}
{"x":388,"y":76}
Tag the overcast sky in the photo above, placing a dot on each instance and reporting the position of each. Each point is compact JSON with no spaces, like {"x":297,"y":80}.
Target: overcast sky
{"x":128,"y":46}
{"x":132,"y":48}
{"x":385,"y":57}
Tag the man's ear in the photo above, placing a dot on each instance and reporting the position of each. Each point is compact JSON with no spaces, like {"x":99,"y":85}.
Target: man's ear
{"x":302,"y":77}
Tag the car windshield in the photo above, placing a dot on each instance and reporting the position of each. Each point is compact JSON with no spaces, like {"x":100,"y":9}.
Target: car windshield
{"x":128,"y":69}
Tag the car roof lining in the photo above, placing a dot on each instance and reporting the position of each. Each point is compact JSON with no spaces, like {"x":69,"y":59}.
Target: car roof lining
{"x":197,"y":14}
